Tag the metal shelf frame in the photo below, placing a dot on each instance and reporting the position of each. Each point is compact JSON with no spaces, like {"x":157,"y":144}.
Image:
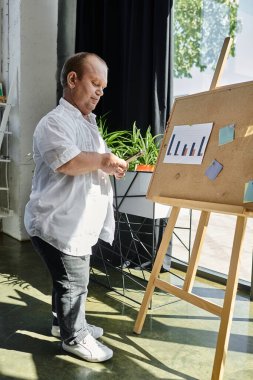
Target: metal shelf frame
{"x":5,"y":109}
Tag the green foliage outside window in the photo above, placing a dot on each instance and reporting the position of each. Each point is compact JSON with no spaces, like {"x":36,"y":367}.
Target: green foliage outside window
{"x":199,"y":30}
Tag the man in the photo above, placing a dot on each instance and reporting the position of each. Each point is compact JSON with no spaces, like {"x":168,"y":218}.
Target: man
{"x":70,"y":205}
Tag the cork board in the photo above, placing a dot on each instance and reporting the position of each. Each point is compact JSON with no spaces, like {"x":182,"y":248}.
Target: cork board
{"x":226,"y":105}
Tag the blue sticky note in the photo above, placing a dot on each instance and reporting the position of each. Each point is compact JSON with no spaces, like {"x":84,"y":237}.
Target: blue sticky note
{"x":226,"y":134}
{"x":248,"y":192}
{"x":213,"y":170}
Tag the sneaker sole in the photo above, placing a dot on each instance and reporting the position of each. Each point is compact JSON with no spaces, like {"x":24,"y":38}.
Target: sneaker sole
{"x":80,"y":355}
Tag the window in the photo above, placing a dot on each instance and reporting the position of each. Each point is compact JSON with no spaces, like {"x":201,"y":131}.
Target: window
{"x":199,"y":29}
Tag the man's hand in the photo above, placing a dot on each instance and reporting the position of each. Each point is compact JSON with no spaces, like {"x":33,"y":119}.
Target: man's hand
{"x":113,"y":165}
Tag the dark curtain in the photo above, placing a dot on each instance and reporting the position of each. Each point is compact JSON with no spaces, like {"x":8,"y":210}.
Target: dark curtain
{"x":133,"y":37}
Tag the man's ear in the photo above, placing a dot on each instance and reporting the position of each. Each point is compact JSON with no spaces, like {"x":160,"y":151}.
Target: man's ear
{"x":71,"y":79}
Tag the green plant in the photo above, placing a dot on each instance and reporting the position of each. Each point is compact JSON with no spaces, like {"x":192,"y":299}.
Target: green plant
{"x":117,"y":141}
{"x":148,"y":143}
{"x":125,"y":143}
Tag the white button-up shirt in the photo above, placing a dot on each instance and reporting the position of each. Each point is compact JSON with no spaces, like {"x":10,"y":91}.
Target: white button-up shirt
{"x":68,"y":212}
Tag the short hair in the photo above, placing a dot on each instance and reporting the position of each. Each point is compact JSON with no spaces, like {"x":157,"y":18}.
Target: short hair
{"x":75,"y":63}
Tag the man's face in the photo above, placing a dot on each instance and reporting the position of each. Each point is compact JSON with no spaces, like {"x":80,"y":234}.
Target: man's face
{"x":87,"y":91}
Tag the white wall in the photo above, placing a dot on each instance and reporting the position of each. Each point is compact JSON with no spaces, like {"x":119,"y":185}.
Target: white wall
{"x":32,"y":38}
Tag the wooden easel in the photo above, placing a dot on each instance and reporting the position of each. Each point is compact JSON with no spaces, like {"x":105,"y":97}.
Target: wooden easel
{"x":226,"y":311}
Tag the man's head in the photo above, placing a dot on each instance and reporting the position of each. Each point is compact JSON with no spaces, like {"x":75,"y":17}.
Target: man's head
{"x":84,"y":77}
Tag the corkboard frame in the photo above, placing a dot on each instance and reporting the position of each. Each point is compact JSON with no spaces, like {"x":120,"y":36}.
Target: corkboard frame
{"x":187,"y":185}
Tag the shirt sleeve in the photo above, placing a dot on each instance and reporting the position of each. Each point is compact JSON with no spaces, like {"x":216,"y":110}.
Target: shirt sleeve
{"x":55,"y":139}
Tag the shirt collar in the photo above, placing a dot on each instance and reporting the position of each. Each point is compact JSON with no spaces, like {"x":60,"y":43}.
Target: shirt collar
{"x":63,"y":102}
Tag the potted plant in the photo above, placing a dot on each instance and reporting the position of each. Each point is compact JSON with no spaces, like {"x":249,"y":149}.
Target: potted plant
{"x":130,"y":192}
{"x":125,"y":143}
{"x":149,"y":145}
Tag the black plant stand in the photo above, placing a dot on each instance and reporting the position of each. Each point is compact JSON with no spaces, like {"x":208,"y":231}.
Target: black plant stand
{"x":126,"y":265}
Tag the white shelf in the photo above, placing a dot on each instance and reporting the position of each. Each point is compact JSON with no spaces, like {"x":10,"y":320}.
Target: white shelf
{"x":4,"y":212}
{"x":5,"y":160}
{"x":6,"y":104}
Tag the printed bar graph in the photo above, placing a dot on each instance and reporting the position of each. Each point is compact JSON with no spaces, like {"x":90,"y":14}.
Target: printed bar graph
{"x":177,"y":147}
{"x":188,"y":143}
{"x":192,"y":151}
{"x":185,"y":150}
{"x":171,"y":144}
{"x":201,"y":146}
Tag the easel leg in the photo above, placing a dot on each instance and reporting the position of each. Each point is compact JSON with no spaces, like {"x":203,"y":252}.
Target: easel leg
{"x":196,"y":249}
{"x":156,"y":269}
{"x":229,"y":301}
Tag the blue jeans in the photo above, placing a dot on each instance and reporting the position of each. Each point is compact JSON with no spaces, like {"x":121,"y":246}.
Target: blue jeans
{"x":70,"y":276}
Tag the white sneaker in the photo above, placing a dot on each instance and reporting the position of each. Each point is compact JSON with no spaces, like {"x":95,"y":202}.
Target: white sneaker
{"x":89,"y":349}
{"x":95,"y":331}
{"x":55,"y":331}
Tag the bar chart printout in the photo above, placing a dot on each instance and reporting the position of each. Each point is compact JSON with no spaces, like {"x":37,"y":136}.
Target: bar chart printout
{"x":188,"y":143}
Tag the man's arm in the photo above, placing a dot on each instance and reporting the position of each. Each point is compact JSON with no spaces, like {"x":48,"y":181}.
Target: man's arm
{"x":86,"y":162}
